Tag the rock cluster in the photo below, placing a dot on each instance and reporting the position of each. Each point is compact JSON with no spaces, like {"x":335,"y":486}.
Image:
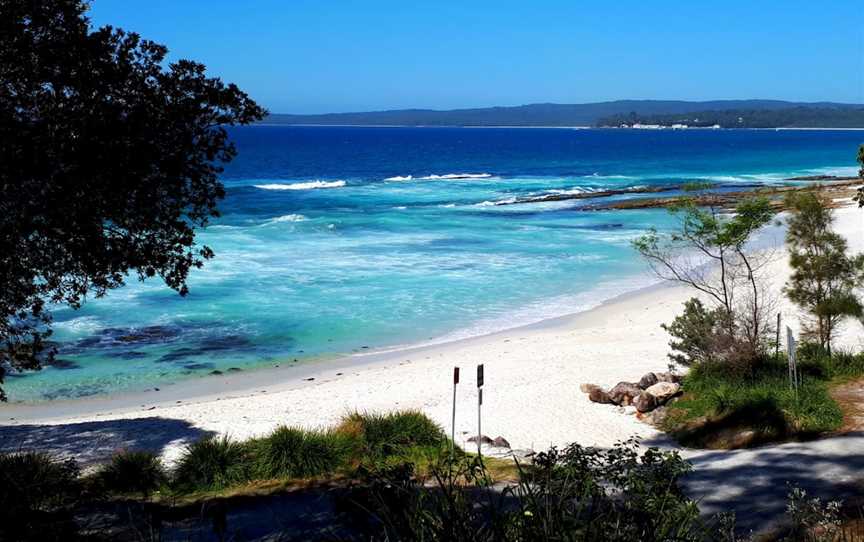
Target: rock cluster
{"x":653,"y":390}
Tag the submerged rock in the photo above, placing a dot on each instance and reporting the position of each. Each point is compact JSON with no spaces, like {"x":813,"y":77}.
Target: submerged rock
{"x":64,"y":364}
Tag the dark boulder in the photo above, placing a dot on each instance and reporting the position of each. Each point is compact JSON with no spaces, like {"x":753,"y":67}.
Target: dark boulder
{"x":648,"y":380}
{"x":645,"y":402}
{"x":599,"y":395}
{"x":500,"y":442}
{"x":624,"y":392}
{"x":669,"y":377}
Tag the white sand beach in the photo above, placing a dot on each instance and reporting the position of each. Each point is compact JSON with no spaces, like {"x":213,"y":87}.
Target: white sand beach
{"x":531,"y":396}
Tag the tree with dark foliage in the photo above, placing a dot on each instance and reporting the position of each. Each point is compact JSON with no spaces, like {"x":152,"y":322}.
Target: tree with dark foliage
{"x":109,"y":159}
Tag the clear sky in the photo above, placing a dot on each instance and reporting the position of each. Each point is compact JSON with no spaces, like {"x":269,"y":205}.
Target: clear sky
{"x":310,"y":56}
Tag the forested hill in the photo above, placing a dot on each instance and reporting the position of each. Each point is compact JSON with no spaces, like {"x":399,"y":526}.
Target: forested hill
{"x":590,"y":114}
{"x":791,"y":117}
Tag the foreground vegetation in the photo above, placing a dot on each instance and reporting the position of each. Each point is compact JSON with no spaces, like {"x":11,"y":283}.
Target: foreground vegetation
{"x":38,"y":490}
{"x":572,"y":494}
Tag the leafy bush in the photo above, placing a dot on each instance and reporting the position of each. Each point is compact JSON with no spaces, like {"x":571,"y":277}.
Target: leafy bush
{"x":133,"y":472}
{"x":811,"y":519}
{"x":574,"y":494}
{"x":392,"y":433}
{"x":212,"y":463}
{"x":816,"y":360}
{"x":297,"y":453}
{"x":698,"y":335}
{"x":36,"y":490}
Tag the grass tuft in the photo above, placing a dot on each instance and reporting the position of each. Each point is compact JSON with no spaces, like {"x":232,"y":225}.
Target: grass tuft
{"x":291,"y":452}
{"x":392,"y":433}
{"x":37,"y":493}
{"x":133,"y":472}
{"x":213,"y":463}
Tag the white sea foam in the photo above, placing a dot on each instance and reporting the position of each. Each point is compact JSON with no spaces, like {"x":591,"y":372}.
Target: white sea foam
{"x":596,"y":175}
{"x":81,"y":324}
{"x":496,"y":202}
{"x":457,"y":176}
{"x":448,"y":205}
{"x":400,"y":207}
{"x":287,"y":218}
{"x":310,"y":185}
{"x":568,"y":191}
{"x":445,"y":177}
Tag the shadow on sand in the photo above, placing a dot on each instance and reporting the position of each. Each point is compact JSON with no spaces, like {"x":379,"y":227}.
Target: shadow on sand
{"x":754,"y":483}
{"x":91,"y":443}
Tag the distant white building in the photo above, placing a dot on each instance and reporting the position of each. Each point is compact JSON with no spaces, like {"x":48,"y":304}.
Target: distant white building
{"x":679,"y":126}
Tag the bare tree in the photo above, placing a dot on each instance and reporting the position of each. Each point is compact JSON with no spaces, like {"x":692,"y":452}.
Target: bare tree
{"x":708,"y":251}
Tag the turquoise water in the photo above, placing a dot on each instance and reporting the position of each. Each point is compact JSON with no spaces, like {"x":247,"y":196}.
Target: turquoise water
{"x":338,"y":240}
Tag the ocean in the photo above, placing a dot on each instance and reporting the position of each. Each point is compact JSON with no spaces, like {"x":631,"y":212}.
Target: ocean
{"x":342,"y":240}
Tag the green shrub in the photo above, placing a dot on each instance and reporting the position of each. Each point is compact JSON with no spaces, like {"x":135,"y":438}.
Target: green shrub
{"x":578,"y":494}
{"x":36,"y":492}
{"x":816,"y":361}
{"x":291,"y":452}
{"x":728,"y":402}
{"x":392,"y":433}
{"x":213,"y":463}
{"x":699,"y":335}
{"x":133,"y":472}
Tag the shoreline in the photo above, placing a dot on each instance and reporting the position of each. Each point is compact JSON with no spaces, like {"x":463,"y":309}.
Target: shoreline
{"x":247,"y":382}
{"x":531,"y":397}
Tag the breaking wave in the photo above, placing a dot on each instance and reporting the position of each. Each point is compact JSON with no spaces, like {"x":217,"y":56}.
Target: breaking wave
{"x":287,"y":218}
{"x":310,"y":185}
{"x":445,"y":177}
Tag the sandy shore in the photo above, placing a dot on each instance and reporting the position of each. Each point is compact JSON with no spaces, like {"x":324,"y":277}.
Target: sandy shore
{"x":531,"y":396}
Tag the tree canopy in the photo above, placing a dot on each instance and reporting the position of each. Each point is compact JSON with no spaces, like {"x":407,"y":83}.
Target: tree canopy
{"x":109,"y":160}
{"x":824,"y":276}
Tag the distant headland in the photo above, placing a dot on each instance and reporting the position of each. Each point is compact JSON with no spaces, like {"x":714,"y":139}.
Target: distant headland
{"x":621,"y":113}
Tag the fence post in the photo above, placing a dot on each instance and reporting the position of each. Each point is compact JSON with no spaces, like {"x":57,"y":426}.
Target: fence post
{"x":479,"y":409}
{"x":453,"y":423}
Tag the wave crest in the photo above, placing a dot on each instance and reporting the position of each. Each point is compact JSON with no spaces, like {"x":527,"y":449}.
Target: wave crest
{"x":456,"y":176}
{"x":287,"y":218}
{"x":310,"y":185}
{"x":445,"y":177}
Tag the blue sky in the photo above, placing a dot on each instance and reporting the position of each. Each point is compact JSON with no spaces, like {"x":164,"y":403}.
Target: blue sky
{"x":308,"y":56}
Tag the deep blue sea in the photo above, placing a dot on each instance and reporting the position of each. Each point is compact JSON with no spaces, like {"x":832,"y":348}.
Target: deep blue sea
{"x":336,"y":240}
